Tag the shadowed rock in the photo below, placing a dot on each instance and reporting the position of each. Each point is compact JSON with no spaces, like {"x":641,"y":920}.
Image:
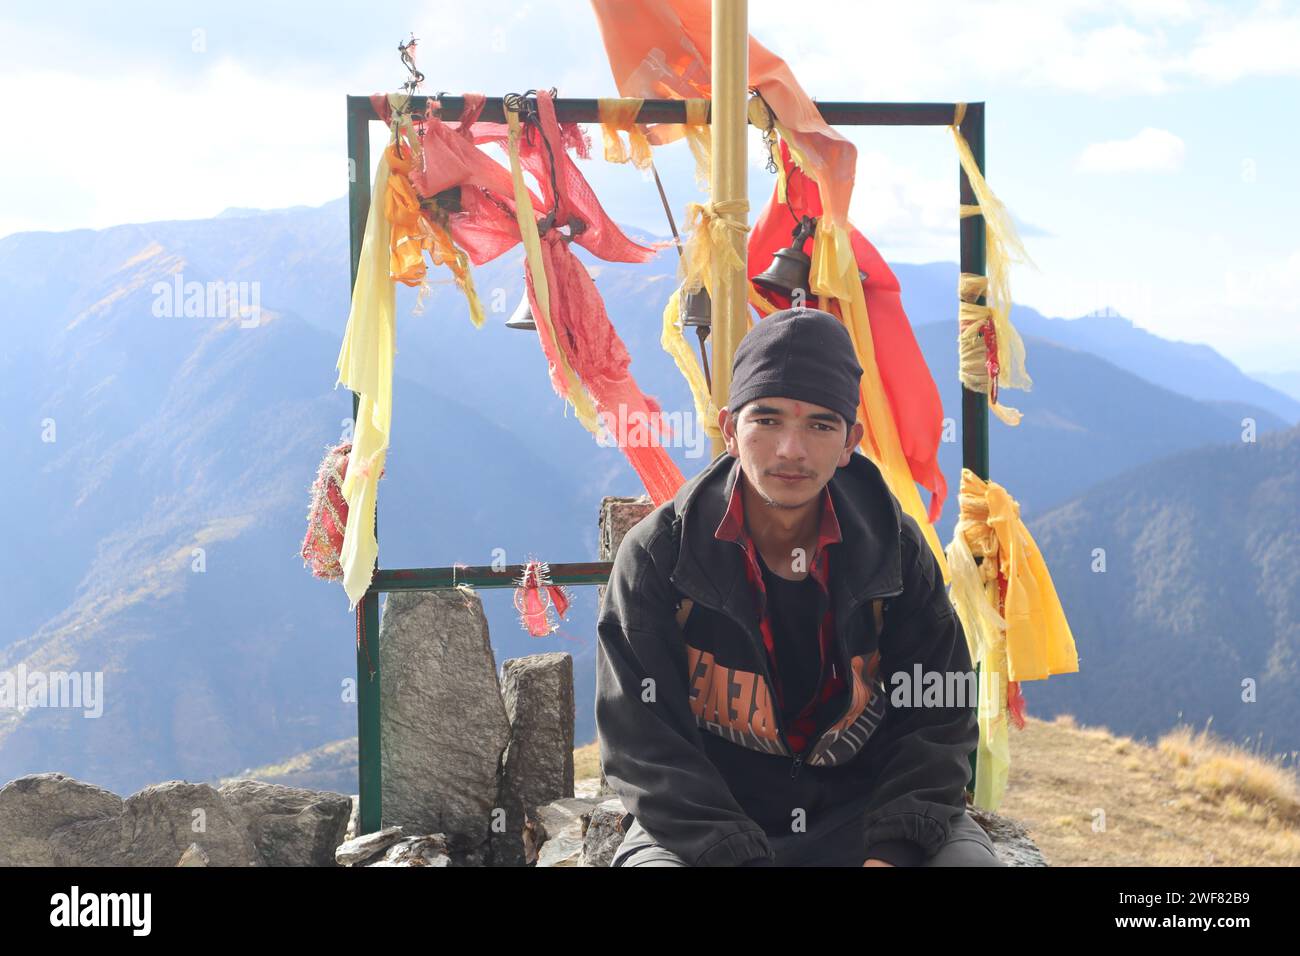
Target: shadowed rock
{"x":538,"y":765}
{"x":289,"y":826}
{"x":443,"y":722}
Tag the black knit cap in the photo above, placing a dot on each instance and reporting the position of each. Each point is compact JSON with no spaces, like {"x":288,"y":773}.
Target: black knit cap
{"x":797,"y":353}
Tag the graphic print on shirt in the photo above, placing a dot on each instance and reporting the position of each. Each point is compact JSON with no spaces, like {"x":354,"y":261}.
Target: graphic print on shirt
{"x":734,"y":704}
{"x":843,"y":739}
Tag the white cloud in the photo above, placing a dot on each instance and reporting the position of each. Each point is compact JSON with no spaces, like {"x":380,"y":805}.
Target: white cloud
{"x":905,"y":214}
{"x":1260,"y":46}
{"x":1150,"y":150}
{"x":159,"y":138}
{"x":928,"y":48}
{"x":148,"y":148}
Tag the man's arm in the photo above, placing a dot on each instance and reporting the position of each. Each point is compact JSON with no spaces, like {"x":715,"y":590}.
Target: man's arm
{"x":921,"y":761}
{"x":649,"y":743}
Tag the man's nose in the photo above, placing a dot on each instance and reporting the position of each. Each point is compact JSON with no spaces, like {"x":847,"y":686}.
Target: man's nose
{"x":790,"y":445}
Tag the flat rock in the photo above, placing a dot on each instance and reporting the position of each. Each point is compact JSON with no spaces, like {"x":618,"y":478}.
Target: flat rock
{"x":362,"y":848}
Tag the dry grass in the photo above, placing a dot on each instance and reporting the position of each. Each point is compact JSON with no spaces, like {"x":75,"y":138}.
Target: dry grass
{"x":1091,"y":798}
{"x":586,"y":762}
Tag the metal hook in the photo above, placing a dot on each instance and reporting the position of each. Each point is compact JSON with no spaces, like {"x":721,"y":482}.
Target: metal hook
{"x":408,"y":60}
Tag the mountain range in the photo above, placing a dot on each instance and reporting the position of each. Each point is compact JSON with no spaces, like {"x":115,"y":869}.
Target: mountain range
{"x":162,"y":463}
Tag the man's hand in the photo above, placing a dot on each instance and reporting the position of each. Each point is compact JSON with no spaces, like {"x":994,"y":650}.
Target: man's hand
{"x":874,"y":862}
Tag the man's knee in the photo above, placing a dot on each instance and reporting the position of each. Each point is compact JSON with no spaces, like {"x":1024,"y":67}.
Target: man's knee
{"x":968,"y":845}
{"x":651,"y":855}
{"x":639,"y":849}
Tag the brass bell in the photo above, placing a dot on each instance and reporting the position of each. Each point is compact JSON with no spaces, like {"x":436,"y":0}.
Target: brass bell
{"x":523,"y":317}
{"x":697,"y":310}
{"x":790,"y":267}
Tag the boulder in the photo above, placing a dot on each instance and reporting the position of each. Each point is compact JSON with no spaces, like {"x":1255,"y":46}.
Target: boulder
{"x":618,"y":515}
{"x":290,"y":826}
{"x":538,"y":764}
{"x":443,"y":723}
{"x":156,"y":826}
{"x":34,"y":807}
{"x":1011,"y":841}
{"x":556,"y":831}
{"x":602,"y":833}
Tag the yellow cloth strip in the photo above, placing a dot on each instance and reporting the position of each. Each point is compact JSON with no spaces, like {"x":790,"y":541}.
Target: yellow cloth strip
{"x":577,"y":393}
{"x":706,"y":238}
{"x":975,"y":599}
{"x":1029,"y":640}
{"x":444,"y":251}
{"x":698,"y":136}
{"x":835,"y":275}
{"x":674,"y":342}
{"x":619,"y":114}
{"x":972,"y":353}
{"x":1002,"y":246}
{"x":764,"y":118}
{"x":365,"y":365}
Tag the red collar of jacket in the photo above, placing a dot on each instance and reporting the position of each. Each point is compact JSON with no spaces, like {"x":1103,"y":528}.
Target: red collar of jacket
{"x":732,"y":528}
{"x":712,"y":572}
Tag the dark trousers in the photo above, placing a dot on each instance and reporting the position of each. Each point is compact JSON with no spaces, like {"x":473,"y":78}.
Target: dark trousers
{"x":840,"y":844}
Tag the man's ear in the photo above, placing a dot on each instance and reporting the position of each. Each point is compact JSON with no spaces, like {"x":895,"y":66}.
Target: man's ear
{"x":851,"y":441}
{"x":725,"y":419}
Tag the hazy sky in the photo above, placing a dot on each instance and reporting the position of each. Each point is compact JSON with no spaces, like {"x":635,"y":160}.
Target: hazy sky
{"x":1148,"y":149}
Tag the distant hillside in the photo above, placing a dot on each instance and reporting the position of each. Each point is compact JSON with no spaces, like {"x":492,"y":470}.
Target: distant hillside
{"x":1188,"y":368}
{"x":1085,"y":420}
{"x":1286,"y":382}
{"x":1197,"y":611}
{"x":155,"y":539}
{"x":331,"y":766}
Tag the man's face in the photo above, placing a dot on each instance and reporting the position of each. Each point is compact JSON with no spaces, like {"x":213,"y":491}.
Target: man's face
{"x":788,"y":448}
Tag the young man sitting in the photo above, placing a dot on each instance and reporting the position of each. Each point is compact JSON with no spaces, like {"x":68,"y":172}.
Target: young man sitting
{"x":750,"y":634}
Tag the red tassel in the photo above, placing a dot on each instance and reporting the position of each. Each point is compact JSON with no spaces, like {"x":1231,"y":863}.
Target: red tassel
{"x":1016,"y":704}
{"x":535,"y":595}
{"x":559,"y":599}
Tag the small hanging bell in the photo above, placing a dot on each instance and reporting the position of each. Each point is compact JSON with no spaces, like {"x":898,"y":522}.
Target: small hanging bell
{"x":697,"y":310}
{"x":791,"y":266}
{"x":523,"y":317}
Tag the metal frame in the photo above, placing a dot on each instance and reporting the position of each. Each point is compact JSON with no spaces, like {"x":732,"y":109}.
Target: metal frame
{"x":361,"y":113}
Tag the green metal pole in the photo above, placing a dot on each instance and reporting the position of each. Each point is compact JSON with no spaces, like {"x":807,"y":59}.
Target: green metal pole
{"x":974,"y":405}
{"x":368,"y":686}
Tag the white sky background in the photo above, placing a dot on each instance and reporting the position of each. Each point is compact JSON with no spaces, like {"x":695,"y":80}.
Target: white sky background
{"x":1148,"y":150}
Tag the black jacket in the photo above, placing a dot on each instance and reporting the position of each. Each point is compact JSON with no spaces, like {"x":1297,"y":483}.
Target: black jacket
{"x":691,"y":740}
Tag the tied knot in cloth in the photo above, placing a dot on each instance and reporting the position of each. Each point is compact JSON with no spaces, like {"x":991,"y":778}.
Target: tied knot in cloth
{"x":535,"y":595}
{"x":715,"y":230}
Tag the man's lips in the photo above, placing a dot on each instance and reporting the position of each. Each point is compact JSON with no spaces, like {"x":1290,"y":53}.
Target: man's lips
{"x":790,"y":477}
